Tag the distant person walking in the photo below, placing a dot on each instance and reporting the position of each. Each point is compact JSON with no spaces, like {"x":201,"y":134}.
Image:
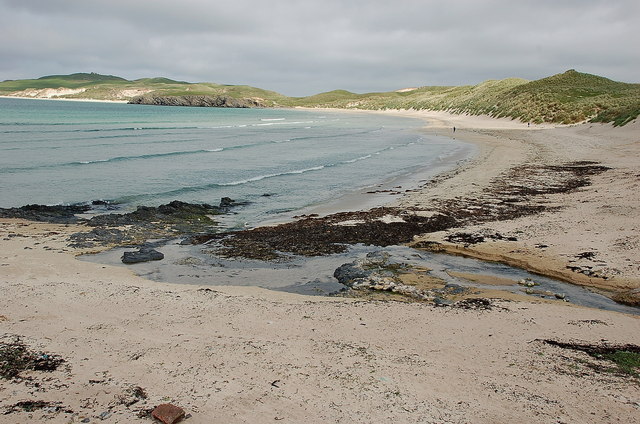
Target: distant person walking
{"x":454,"y":129}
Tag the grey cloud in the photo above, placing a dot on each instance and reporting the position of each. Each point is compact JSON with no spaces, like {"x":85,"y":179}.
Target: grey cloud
{"x":303,"y":47}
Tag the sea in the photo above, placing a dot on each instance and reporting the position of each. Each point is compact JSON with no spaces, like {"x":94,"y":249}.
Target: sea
{"x":273,"y":162}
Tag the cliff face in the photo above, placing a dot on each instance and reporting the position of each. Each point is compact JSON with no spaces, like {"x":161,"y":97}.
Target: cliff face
{"x":198,"y":101}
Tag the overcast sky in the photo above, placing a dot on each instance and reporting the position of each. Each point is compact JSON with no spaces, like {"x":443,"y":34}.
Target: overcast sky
{"x":304,"y":47}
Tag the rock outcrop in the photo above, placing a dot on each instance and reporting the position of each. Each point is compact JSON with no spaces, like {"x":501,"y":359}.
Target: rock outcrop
{"x":198,"y":101}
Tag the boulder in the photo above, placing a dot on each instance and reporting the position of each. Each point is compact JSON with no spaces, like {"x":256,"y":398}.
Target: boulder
{"x":144,"y":254}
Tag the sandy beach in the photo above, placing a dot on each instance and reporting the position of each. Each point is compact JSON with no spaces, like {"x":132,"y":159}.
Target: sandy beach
{"x":248,"y":355}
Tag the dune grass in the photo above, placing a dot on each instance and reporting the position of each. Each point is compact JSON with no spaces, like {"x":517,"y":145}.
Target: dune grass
{"x":565,"y":98}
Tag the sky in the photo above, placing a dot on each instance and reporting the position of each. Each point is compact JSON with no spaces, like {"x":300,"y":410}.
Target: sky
{"x":304,"y":47}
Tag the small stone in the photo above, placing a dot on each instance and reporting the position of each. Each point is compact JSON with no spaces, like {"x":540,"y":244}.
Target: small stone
{"x":560,"y":295}
{"x":168,"y":413}
{"x":442,"y":302}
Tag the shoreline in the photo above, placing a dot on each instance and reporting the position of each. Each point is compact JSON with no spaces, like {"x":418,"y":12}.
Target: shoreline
{"x":243,"y":354}
{"x":504,"y":144}
{"x":583,"y":218}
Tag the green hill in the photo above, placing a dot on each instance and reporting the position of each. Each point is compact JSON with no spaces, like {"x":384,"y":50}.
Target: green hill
{"x":565,"y":98}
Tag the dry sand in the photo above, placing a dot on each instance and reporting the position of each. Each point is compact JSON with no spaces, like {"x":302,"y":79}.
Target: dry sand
{"x":246,"y":355}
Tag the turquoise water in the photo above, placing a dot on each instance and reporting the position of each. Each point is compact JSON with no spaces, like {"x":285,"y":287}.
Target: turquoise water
{"x":277,"y":160}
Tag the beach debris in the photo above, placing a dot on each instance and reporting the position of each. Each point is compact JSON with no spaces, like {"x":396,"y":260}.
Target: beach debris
{"x":104,"y":415}
{"x":475,"y":238}
{"x":475,"y":303}
{"x":626,"y":357}
{"x":132,"y":395}
{"x":319,"y":236}
{"x":33,"y":405}
{"x":586,"y":255}
{"x":16,"y":357}
{"x":168,"y":413}
{"x":588,"y":322}
{"x":144,"y":254}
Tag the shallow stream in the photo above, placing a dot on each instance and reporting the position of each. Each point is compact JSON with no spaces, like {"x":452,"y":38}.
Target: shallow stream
{"x":314,"y":276}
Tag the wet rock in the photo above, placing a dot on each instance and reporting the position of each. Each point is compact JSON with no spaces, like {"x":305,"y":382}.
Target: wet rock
{"x":227,"y":203}
{"x":454,"y":289}
{"x":144,"y":254}
{"x":527,"y":283}
{"x":58,"y":214}
{"x":439,"y":301}
{"x":168,"y":413}
{"x":173,"y":220}
{"x":170,"y":213}
{"x":376,"y":272}
{"x":346,"y":273}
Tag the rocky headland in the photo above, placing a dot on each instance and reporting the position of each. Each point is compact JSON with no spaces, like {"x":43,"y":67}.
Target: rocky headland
{"x":198,"y":101}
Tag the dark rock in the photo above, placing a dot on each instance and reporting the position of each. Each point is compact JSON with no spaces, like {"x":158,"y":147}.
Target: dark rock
{"x":198,"y":101}
{"x":454,"y":289}
{"x":144,"y":254}
{"x":168,"y":413}
{"x":438,"y":301}
{"x":171,"y":213}
{"x":58,"y":214}
{"x":227,"y":203}
{"x":346,"y":273}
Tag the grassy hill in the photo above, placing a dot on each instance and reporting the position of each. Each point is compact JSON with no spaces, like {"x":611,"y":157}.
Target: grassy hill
{"x":565,"y":98}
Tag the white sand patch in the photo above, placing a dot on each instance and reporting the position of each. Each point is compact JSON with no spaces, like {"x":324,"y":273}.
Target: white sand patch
{"x":48,"y":93}
{"x":388,"y":219}
{"x":127,"y":94}
{"x":350,"y":222}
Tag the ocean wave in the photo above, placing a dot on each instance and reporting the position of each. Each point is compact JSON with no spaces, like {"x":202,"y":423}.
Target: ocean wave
{"x":176,"y":193}
{"x":264,"y":124}
{"x":109,"y":160}
{"x":358,"y":159}
{"x":279,"y":174}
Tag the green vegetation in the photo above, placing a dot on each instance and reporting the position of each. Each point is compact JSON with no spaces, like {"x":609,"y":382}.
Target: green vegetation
{"x":627,"y":362}
{"x":565,"y":98}
{"x":625,"y":357}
